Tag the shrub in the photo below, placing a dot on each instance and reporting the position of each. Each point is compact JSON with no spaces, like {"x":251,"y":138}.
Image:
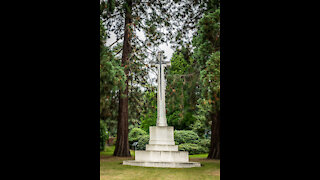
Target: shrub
{"x":205,"y":143}
{"x":135,"y":134}
{"x":193,"y":148}
{"x":185,"y":136}
{"x":143,"y":141}
{"x":103,"y":135}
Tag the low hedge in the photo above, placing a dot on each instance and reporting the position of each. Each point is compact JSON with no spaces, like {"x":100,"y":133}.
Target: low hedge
{"x":193,"y":148}
{"x":186,"y":136}
{"x":187,"y":140}
{"x":134,"y":135}
{"x":143,"y":141}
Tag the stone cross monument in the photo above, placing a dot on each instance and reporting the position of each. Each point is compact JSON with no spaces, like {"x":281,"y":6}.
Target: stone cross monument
{"x":161,"y":107}
{"x":161,"y":150}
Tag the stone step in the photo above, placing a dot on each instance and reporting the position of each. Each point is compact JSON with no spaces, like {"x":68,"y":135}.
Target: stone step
{"x":162,"y":156}
{"x":162,"y":164}
{"x":161,"y":147}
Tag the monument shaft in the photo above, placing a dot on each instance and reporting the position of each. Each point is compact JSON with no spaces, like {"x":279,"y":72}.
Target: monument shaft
{"x":161,"y":104}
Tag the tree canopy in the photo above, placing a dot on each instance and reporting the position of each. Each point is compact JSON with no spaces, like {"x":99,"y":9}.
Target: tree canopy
{"x":128,"y":94}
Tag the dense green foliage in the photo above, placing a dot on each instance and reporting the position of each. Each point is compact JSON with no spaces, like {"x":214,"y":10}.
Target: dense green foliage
{"x":185,"y":136}
{"x":189,"y":141}
{"x":204,"y":143}
{"x":193,"y":148}
{"x":135,"y":134}
{"x":143,"y":141}
{"x":148,"y":116}
{"x":207,"y":51}
{"x":193,"y":80}
{"x":103,"y":135}
{"x":112,"y":79}
{"x":178,"y":64}
{"x":182,"y":90}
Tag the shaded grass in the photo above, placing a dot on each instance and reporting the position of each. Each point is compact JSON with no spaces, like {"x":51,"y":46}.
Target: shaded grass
{"x":111,"y":168}
{"x":110,"y":149}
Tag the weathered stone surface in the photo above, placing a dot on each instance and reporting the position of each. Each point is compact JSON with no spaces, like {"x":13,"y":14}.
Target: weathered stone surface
{"x":163,"y":164}
{"x":161,"y":147}
{"x":161,"y":135}
{"x":161,"y":104}
{"x":162,"y":156}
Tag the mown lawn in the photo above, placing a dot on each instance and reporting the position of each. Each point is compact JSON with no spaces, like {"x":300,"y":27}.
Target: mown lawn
{"x":109,"y":151}
{"x":111,"y":168}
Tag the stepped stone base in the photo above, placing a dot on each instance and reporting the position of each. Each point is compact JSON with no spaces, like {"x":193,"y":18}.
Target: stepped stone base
{"x":162,"y":156}
{"x":162,"y":164}
{"x":161,"y":147}
{"x":162,"y":151}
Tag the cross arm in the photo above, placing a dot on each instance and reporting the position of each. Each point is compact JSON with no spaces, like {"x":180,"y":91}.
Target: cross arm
{"x":153,"y":62}
{"x":167,"y":63}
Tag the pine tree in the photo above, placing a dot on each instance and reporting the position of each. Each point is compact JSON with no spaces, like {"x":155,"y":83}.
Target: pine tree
{"x":182,"y":92}
{"x":207,"y":54}
{"x":125,"y":18}
{"x":112,"y":79}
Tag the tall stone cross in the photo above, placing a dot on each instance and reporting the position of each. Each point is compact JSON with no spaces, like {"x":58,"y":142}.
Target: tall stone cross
{"x":161,"y":150}
{"x":161,"y":104}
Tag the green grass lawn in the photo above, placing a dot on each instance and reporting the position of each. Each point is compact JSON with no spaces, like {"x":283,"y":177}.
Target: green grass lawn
{"x":111,"y":168}
{"x":109,"y":151}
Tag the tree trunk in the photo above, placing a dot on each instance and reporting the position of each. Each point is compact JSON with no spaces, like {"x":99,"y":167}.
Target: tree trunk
{"x":215,"y":137}
{"x":122,"y":143}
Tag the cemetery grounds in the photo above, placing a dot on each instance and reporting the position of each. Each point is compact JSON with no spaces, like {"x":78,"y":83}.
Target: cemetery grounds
{"x":111,"y":168}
